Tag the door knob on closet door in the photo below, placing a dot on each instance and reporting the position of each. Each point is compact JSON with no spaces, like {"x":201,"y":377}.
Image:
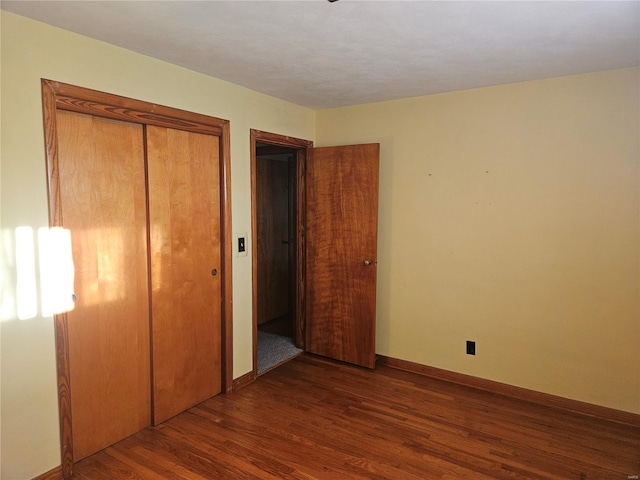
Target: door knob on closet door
{"x":370,"y":262}
{"x":214,"y":272}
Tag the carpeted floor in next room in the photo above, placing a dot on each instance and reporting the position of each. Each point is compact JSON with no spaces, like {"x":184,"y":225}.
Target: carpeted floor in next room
{"x":273,"y":350}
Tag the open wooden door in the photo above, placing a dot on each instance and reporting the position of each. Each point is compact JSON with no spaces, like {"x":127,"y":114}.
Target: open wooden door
{"x":341,"y":252}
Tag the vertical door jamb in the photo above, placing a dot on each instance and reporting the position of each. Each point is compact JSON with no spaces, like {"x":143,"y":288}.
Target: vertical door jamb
{"x":60,"y":320}
{"x":300,"y":203}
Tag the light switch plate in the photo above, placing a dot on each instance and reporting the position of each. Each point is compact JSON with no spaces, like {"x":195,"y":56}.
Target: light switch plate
{"x":241,"y":246}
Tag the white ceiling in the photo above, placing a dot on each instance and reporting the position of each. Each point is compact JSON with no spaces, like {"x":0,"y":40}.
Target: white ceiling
{"x":321,"y":54}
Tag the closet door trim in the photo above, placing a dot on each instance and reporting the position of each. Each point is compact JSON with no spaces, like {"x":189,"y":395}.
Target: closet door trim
{"x":60,"y":96}
{"x":100,"y":104}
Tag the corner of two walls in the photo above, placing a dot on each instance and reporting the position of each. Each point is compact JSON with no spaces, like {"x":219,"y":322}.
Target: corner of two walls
{"x":509,"y":216}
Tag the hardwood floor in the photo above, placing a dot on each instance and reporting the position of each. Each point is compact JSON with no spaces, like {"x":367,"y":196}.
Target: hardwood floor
{"x":312,"y":418}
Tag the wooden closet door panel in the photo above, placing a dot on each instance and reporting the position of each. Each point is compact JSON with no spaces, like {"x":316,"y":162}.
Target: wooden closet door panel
{"x":184,"y":214}
{"x":103,"y":203}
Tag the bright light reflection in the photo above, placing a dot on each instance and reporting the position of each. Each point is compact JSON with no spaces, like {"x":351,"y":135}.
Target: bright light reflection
{"x":7,"y":283}
{"x":56,"y":270}
{"x":26,"y":296}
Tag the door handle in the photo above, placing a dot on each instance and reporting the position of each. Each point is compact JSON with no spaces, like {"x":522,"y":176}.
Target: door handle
{"x":370,"y":262}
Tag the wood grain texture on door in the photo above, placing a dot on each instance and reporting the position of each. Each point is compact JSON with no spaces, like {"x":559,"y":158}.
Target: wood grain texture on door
{"x":341,"y":254}
{"x":103,"y":205}
{"x":184,"y":216}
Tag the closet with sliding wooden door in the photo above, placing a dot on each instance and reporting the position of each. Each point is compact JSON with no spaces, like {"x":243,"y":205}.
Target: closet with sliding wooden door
{"x":143,"y":191}
{"x":184,"y":211}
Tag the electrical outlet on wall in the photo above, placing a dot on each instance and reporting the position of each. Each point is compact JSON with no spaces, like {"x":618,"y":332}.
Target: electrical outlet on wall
{"x":471,"y":347}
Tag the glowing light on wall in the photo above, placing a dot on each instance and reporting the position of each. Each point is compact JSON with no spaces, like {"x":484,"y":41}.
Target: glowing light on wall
{"x":20,"y":293}
{"x":7,"y":275}
{"x":26,"y":295}
{"x":56,"y":270}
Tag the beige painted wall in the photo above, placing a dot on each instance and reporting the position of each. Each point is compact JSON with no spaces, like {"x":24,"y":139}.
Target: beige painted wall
{"x":30,"y":51}
{"x":510,"y":216}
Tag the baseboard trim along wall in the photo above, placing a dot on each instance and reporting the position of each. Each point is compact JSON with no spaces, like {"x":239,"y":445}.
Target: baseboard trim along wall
{"x":506,"y":390}
{"x":55,"y":474}
{"x":243,"y":381}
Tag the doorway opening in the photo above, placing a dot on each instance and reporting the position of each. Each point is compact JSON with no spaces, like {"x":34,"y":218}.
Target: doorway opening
{"x":274,"y":242}
{"x":277,"y":165}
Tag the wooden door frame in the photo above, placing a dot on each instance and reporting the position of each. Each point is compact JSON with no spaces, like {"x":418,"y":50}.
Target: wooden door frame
{"x":59,"y":96}
{"x":300,"y":146}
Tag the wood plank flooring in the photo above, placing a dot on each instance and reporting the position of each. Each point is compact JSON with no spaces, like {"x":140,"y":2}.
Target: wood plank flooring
{"x":312,"y":418}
